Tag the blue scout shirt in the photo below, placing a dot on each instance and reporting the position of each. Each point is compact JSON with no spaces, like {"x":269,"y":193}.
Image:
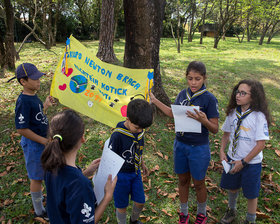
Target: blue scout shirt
{"x":129,"y":146}
{"x":208,"y":104}
{"x":70,"y":197}
{"x":29,"y":114}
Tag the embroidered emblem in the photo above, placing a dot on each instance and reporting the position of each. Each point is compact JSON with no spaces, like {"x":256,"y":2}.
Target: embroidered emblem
{"x":86,"y":210}
{"x":21,"y":118}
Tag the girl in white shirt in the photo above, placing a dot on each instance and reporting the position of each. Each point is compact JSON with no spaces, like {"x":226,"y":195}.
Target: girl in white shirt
{"x":246,"y":130}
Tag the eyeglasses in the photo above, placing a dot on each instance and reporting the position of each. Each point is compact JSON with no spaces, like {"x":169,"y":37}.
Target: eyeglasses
{"x":241,"y":93}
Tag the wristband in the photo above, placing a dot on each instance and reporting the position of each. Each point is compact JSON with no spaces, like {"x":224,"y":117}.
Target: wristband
{"x":244,"y":163}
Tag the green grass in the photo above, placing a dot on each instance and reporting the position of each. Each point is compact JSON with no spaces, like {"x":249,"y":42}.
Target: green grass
{"x":227,"y":65}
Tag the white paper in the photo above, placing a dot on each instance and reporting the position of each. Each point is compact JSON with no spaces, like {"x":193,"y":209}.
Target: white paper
{"x":183,"y":123}
{"x":226,"y":165}
{"x":110,"y":163}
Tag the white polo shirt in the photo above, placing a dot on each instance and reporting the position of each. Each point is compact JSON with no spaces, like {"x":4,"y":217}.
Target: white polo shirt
{"x":253,"y":128}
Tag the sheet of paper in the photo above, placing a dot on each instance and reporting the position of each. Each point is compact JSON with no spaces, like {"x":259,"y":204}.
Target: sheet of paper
{"x":183,"y":123}
{"x":110,"y":163}
{"x":226,"y":166}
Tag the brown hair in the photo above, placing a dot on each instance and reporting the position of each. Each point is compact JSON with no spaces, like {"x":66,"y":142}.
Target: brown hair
{"x":259,"y":102}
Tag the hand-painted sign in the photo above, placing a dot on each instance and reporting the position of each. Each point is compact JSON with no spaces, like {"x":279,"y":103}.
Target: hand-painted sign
{"x":95,"y":88}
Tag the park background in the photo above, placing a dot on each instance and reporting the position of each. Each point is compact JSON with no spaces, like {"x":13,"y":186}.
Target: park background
{"x":240,"y":54}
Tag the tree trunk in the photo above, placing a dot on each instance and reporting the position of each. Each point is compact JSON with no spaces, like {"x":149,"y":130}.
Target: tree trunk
{"x":216,"y":42}
{"x":143,"y":27}
{"x":248,"y":28}
{"x":9,"y":38}
{"x":193,"y":10}
{"x":2,"y":52}
{"x":272,"y":32}
{"x":265,"y":29}
{"x":106,"y":35}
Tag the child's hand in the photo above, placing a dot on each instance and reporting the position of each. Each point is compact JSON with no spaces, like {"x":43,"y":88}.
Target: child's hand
{"x":91,"y":168}
{"x":110,"y":187}
{"x":49,"y":102}
{"x":94,"y":164}
{"x":152,"y":97}
{"x":198,"y":115}
{"x":237,"y":166}
{"x":223,"y":156}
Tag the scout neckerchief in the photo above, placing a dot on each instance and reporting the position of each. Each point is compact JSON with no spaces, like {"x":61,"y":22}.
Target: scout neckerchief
{"x":191,"y":96}
{"x":240,"y":118}
{"x":136,"y":153}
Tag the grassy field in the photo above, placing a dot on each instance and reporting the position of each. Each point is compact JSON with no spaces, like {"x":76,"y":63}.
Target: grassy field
{"x":227,"y":65}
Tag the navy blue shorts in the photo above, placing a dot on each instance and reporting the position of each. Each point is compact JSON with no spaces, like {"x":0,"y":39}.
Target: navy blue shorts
{"x":32,"y":153}
{"x":191,"y":158}
{"x":249,"y":178}
{"x":129,"y":184}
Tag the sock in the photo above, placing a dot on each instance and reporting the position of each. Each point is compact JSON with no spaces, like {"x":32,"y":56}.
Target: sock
{"x":201,"y":208}
{"x":251,"y":217}
{"x":184,"y":208}
{"x":232,"y":199}
{"x":121,"y":217}
{"x":37,"y":202}
{"x":136,"y":212}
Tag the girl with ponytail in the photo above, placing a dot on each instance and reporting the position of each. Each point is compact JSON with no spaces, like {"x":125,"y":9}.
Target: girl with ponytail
{"x":70,"y":196}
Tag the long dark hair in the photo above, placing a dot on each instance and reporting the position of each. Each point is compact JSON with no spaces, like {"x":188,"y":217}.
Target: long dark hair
{"x":259,"y":102}
{"x":68,"y":128}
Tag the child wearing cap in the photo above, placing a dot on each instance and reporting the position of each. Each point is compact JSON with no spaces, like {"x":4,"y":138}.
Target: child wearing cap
{"x":32,"y":124}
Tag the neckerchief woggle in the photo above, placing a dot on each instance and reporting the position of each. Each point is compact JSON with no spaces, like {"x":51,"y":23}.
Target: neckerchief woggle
{"x":240,"y":118}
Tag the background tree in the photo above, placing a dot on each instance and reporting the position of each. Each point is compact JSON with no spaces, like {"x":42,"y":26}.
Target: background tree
{"x":106,"y":35}
{"x":269,"y":13}
{"x":143,"y":28}
{"x":225,"y":17}
{"x":7,"y":47}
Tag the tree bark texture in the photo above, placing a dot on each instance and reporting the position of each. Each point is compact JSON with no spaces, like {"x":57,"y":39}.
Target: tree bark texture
{"x":9,"y":37}
{"x":106,"y":35}
{"x":143,"y":28}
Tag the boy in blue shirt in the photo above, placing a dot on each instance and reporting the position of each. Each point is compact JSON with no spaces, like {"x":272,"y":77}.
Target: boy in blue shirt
{"x":32,"y":124}
{"x":127,"y":141}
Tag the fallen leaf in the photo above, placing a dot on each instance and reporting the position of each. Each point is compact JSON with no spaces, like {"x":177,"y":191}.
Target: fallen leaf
{"x":159,"y":154}
{"x":277,"y":152}
{"x":165,"y":212}
{"x":173,"y":195}
{"x":3,"y":174}
{"x":262,"y":215}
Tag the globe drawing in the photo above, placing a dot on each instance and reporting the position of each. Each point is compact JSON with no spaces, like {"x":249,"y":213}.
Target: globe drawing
{"x":78,"y":84}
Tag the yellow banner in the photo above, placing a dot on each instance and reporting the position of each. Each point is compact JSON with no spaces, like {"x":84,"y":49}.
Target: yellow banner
{"x":97,"y":89}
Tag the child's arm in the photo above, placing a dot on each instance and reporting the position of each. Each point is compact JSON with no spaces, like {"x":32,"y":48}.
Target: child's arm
{"x":48,"y":102}
{"x":255,"y":151}
{"x":165,"y":109}
{"x":109,"y":190}
{"x":212,"y":124}
{"x":27,"y":133}
{"x":92,"y":167}
{"x":224,"y":142}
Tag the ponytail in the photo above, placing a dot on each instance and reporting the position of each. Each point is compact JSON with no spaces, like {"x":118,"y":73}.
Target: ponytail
{"x":65,"y":130}
{"x":52,"y":157}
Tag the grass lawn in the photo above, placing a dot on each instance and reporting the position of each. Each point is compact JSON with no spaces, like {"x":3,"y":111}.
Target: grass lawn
{"x":227,"y":65}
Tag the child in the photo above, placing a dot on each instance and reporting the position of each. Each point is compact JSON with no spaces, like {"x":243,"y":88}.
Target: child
{"x":32,"y":124}
{"x":191,"y":150}
{"x":127,"y":141}
{"x":246,"y":128}
{"x":70,"y":194}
